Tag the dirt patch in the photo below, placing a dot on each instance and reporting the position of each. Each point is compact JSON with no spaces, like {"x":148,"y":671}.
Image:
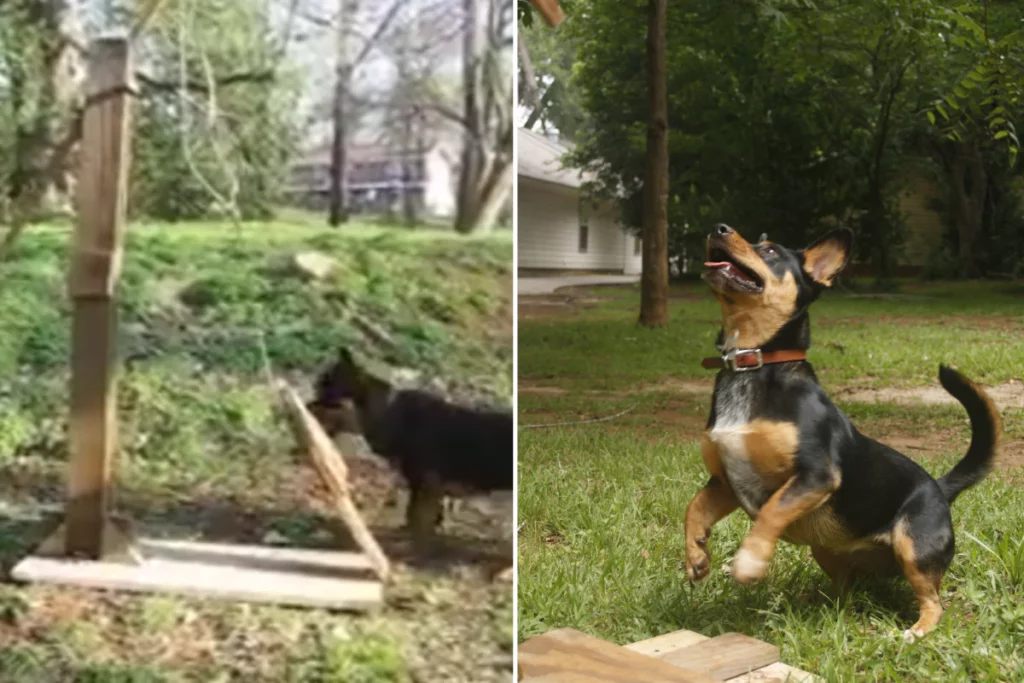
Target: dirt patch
{"x":1013,"y":455}
{"x":526,"y":388}
{"x":1006,"y":395}
{"x":682,"y":386}
{"x":567,"y":302}
{"x":923,"y":446}
{"x":987,"y":322}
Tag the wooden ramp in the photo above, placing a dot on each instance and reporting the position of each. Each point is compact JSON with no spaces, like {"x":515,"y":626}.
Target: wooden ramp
{"x":568,"y":656}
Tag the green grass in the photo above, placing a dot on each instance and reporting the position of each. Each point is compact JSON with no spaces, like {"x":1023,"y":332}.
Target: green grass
{"x":602,"y":505}
{"x":204,"y":450}
{"x":867,"y":339}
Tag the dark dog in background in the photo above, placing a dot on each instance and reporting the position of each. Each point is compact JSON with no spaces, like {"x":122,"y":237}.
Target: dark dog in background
{"x":440,"y":448}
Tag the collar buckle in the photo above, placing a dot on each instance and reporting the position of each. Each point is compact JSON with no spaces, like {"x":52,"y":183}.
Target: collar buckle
{"x":731,"y":359}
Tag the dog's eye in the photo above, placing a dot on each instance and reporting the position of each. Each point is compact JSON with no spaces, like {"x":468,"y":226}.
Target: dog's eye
{"x":769,"y":251}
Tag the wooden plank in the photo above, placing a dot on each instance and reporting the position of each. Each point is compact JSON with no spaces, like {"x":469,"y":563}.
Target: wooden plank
{"x":567,"y":651}
{"x":666,"y":643}
{"x":779,"y":672}
{"x":725,"y":656}
{"x":550,"y":11}
{"x":95,"y":267}
{"x":331,"y":466}
{"x":293,"y":583}
{"x":326,"y":562}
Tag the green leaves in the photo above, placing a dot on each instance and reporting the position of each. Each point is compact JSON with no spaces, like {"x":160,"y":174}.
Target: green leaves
{"x":987,"y":97}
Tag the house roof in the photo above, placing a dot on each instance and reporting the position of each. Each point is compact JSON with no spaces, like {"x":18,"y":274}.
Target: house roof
{"x":540,"y":159}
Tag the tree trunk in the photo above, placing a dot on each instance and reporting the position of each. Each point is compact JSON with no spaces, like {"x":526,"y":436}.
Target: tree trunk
{"x":409,"y":176}
{"x":654,"y":278}
{"x":968,"y":185}
{"x":492,"y":196}
{"x":40,"y":183}
{"x":472,"y":160}
{"x":338,"y":210}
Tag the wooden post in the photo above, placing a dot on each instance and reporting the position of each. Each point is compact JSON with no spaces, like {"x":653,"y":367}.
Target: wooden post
{"x":95,"y":268}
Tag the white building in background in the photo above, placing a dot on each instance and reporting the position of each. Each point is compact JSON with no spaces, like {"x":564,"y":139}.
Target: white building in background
{"x":379,"y":176}
{"x":557,"y":229}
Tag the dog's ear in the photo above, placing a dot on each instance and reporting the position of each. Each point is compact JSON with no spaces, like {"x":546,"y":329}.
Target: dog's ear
{"x":345,"y":357}
{"x":827,"y":256}
{"x":764,"y":237}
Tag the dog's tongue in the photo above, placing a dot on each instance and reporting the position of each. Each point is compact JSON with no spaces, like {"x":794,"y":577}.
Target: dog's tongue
{"x":716,"y":264}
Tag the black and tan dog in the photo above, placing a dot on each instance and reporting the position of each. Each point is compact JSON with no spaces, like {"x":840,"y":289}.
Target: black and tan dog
{"x":440,"y":448}
{"x":777,"y":447}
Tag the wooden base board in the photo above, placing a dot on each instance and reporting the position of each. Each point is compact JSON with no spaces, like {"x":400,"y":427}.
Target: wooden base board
{"x":566,"y":655}
{"x":669,"y":644}
{"x":117,"y":544}
{"x":285,"y":576}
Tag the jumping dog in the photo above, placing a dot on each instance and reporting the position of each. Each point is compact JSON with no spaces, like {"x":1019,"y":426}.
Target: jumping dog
{"x":776,"y":446}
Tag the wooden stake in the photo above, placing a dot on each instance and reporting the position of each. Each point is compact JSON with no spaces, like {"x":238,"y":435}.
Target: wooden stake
{"x":331,"y":466}
{"x":95,"y":268}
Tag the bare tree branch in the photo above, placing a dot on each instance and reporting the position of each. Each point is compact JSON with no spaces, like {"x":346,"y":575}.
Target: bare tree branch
{"x":149,"y":10}
{"x":370,"y":42}
{"x":260,"y":76}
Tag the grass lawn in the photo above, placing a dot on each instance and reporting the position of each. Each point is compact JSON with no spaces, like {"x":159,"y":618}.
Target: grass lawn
{"x":204,"y":453}
{"x":602,"y":505}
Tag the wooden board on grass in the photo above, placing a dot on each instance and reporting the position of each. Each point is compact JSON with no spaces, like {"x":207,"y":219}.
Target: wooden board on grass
{"x":725,"y":656}
{"x":284,"y":576}
{"x":666,"y":645}
{"x":569,"y":655}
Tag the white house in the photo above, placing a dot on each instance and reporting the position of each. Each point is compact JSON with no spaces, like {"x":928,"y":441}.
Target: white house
{"x":379,"y":176}
{"x":557,"y":228}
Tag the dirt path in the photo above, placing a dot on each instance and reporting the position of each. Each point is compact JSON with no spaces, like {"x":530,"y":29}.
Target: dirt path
{"x":1006,"y":395}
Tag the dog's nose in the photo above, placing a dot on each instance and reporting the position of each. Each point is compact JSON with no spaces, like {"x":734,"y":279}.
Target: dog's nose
{"x":722,"y":230}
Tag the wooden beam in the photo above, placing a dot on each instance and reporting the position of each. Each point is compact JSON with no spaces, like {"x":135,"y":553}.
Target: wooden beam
{"x":550,"y":11}
{"x":725,"y":656}
{"x":331,"y":466}
{"x":284,"y":576}
{"x":95,"y":268}
{"x":569,"y":655}
{"x":667,"y":645}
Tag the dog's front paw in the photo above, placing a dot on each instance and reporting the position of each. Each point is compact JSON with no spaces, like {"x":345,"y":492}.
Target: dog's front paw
{"x":748,"y":567}
{"x":698,"y":563}
{"x":911,"y":635}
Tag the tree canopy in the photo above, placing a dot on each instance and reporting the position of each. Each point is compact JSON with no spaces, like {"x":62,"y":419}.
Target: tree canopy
{"x":791,"y":116}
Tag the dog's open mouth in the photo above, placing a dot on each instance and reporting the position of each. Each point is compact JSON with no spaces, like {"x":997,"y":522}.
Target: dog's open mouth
{"x":722,"y":263}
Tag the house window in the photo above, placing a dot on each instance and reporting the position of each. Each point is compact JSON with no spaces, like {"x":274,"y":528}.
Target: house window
{"x":636,"y":246}
{"x":584,"y":237}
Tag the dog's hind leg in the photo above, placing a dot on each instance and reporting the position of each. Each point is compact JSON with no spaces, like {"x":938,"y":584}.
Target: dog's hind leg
{"x":924,"y":555}
{"x":425,"y":512}
{"x":842,"y":568}
{"x":835,"y":565}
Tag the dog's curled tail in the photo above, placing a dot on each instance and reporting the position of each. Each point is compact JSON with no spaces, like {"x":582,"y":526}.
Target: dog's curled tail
{"x":986,"y":430}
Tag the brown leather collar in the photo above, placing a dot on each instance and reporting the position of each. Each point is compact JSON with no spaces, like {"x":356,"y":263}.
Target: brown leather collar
{"x":742,"y":360}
